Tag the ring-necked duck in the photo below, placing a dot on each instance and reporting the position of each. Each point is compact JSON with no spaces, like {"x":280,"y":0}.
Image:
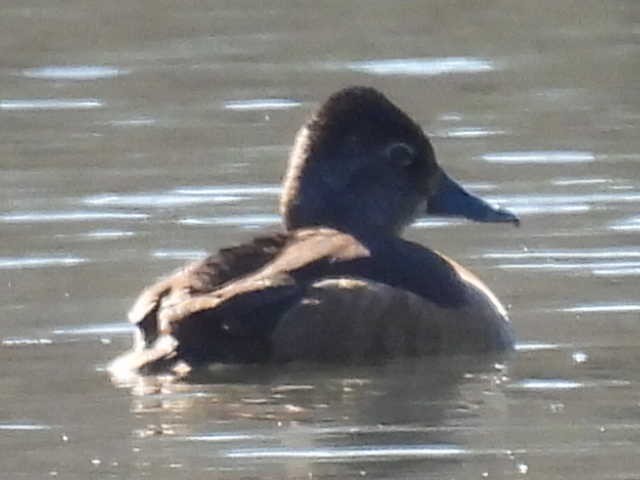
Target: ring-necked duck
{"x":340,"y":284}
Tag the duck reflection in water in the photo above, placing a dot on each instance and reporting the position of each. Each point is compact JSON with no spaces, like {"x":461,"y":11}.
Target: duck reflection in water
{"x":340,"y":284}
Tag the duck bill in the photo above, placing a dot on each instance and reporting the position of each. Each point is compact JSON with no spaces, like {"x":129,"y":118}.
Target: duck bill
{"x":449,"y":198}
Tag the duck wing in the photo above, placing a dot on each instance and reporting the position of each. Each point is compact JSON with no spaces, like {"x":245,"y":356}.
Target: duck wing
{"x":224,"y":307}
{"x":198,"y":278}
{"x":307,"y":255}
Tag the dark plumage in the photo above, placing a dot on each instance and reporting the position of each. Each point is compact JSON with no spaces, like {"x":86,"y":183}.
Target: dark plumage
{"x":339,"y":284}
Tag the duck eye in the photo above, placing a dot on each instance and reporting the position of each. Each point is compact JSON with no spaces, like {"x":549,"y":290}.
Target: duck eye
{"x":400,"y":154}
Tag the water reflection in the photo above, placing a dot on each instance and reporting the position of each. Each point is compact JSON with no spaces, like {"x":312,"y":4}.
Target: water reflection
{"x":159,"y":200}
{"x":261,"y":104}
{"x":560,"y":200}
{"x":185,"y":255}
{"x":621,"y":271}
{"x":133,"y":122}
{"x":311,"y":415}
{"x":534,"y":346}
{"x":631,"y":224}
{"x":69,"y":216}
{"x":230,"y":190}
{"x":423,"y":66}
{"x":109,"y":234}
{"x":552,"y":157}
{"x":17,"y":342}
{"x":39,"y":262}
{"x":375,"y":452}
{"x":600,"y":262}
{"x":23,"y":427}
{"x":35,"y":104}
{"x":549,"y":209}
{"x":560,"y":384}
{"x":434,"y":222}
{"x":546,"y":384}
{"x":240,"y":220}
{"x":605,"y":308}
{"x":95,"y":330}
{"x":74,"y":72}
{"x":565,"y":254}
{"x":566,"y":182}
{"x":551,"y":266}
{"x":468,"y":132}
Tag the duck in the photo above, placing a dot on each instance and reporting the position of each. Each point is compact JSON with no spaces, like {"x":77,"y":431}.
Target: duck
{"x":338,"y":283}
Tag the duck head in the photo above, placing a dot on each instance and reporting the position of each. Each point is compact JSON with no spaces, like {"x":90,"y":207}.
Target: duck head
{"x":361,"y":165}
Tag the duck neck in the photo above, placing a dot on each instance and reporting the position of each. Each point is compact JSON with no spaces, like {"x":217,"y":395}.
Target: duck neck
{"x":359,"y":224}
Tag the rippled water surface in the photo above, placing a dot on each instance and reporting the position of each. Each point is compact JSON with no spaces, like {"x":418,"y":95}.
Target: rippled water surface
{"x":135,"y":136}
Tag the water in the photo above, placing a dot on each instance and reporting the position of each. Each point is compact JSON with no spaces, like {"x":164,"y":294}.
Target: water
{"x":137,"y":136}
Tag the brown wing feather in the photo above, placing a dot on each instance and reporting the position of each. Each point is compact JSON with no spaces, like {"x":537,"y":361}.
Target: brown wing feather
{"x":303,"y":249}
{"x":210,"y":305}
{"x":201,"y":277}
{"x":262,"y":265}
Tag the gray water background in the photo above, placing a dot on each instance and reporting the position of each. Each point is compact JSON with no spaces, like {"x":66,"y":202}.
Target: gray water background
{"x":137,"y":135}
